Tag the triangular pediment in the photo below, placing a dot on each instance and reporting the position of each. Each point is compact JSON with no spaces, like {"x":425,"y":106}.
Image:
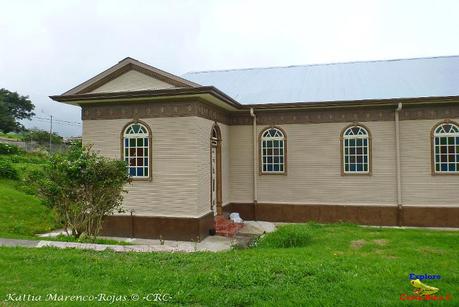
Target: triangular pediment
{"x":132,"y":80}
{"x":130,"y":75}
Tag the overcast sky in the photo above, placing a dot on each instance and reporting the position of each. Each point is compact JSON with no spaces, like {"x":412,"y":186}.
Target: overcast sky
{"x":48,"y":47}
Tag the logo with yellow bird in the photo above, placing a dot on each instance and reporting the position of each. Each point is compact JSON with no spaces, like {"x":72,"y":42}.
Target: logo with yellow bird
{"x":423,"y":289}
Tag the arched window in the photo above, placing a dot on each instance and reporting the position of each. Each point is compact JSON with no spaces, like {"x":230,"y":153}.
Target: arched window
{"x":273,"y":148}
{"x":356,"y":150}
{"x":446,"y":148}
{"x":136,"y":150}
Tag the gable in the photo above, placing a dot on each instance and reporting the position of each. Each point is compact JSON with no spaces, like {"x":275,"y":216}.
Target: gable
{"x":132,"y":80}
{"x":130,"y":75}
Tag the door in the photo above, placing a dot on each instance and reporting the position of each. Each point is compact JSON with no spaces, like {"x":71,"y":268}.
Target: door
{"x":213,"y":179}
{"x":215,"y":171}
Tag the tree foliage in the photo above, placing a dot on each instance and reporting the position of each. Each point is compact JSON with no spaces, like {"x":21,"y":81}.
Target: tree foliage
{"x":14,"y":107}
{"x":82,"y":187}
{"x":42,"y":137}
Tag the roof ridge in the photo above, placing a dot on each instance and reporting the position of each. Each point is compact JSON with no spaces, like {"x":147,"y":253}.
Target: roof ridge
{"x":321,"y":64}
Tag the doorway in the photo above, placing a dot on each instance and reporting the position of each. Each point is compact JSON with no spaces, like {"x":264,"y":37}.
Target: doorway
{"x":216,"y":171}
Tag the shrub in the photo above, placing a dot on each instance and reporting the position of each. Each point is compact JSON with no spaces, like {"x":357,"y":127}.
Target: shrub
{"x":286,"y":236}
{"x":7,"y":171}
{"x":7,"y":149}
{"x":82,"y":187}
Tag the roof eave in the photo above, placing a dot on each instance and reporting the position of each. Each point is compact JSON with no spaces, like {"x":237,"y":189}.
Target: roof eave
{"x":352,"y":103}
{"x":79,"y":99}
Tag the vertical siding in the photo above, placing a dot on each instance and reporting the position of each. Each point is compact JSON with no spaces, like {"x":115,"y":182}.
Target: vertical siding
{"x":314,"y":174}
{"x":419,"y":187}
{"x":175,"y":186}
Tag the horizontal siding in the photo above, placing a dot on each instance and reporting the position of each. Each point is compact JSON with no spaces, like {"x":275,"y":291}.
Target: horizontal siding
{"x":174,"y":189}
{"x":132,"y":81}
{"x":419,"y":187}
{"x":241,"y":164}
{"x":314,"y":173}
{"x":181,"y":166}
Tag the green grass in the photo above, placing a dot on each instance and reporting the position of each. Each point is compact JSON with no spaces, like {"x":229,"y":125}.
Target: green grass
{"x":64,"y":238}
{"x":339,"y":265}
{"x":22,"y":215}
{"x":305,"y":264}
{"x":11,"y":136}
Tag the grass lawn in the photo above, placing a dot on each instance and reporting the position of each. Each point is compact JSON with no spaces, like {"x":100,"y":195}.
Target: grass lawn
{"x":331,"y":265}
{"x":12,"y":136}
{"x":22,"y":215}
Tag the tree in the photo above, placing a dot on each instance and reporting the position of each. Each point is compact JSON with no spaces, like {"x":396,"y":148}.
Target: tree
{"x":14,"y":107}
{"x":82,"y":187}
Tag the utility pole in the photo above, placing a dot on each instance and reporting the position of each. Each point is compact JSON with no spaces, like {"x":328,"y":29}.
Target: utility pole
{"x":50,"y":132}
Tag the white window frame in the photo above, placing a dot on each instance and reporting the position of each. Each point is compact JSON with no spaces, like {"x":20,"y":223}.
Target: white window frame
{"x":347,"y":137}
{"x":263,"y":152}
{"x":439,"y":133}
{"x":146,"y":146}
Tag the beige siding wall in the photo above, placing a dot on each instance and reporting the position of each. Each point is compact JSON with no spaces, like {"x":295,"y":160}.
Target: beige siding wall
{"x":314,"y":173}
{"x":175,"y":186}
{"x":419,"y":187}
{"x":132,"y":81}
{"x":181,"y":166}
{"x":204,"y":127}
{"x":241,"y":164}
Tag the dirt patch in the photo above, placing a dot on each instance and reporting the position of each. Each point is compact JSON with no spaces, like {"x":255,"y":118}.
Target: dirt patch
{"x":431,"y":250}
{"x":357,"y":244}
{"x":381,"y":242}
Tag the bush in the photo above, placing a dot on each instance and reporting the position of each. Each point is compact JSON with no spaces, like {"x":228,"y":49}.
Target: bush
{"x":286,"y":236}
{"x":7,"y":149}
{"x":7,"y":171}
{"x":82,"y":187}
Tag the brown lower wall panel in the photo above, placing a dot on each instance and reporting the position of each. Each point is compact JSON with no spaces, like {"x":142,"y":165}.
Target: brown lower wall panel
{"x":192,"y":229}
{"x":431,"y":216}
{"x":364,"y":215}
{"x":154,"y":227}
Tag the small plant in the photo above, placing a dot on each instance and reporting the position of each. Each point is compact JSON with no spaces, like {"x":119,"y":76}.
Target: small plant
{"x":286,"y":236}
{"x":7,"y":171}
{"x":82,"y":187}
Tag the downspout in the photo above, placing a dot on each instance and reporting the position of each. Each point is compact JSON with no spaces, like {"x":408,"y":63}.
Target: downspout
{"x":397,"y":149}
{"x":255,"y":142}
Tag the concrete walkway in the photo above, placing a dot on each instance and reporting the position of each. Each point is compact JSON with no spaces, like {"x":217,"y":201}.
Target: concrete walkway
{"x":210,"y":244}
{"x":250,"y":230}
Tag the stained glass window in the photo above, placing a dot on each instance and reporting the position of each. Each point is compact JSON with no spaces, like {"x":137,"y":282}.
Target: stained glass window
{"x":356,"y":150}
{"x":136,"y":150}
{"x":273,"y":151}
{"x":446,"y":146}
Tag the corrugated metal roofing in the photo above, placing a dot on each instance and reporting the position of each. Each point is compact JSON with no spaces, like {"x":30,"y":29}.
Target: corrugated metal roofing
{"x":405,"y":78}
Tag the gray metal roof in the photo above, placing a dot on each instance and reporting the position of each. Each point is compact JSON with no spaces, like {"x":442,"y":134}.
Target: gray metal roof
{"x":405,"y":78}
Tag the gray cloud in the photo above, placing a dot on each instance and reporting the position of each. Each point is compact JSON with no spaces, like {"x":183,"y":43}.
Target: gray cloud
{"x":47,"y":47}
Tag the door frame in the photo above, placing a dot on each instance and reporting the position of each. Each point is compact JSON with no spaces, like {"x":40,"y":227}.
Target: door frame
{"x":216,"y":142}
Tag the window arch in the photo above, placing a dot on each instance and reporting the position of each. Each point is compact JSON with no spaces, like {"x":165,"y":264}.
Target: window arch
{"x":273,"y":148}
{"x":355,"y":150}
{"x":445,"y":140}
{"x":136,"y":149}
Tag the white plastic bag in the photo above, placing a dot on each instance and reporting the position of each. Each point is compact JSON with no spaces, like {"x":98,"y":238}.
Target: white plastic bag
{"x":235,"y":218}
